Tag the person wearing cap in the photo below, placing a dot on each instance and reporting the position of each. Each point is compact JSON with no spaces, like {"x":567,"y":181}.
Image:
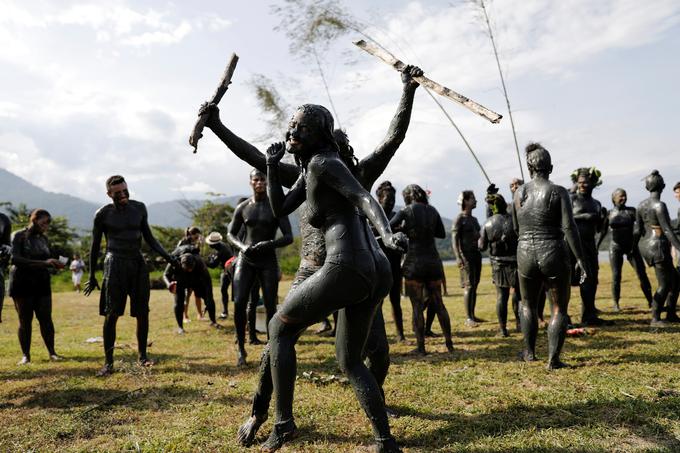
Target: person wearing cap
{"x":192,"y":274}
{"x":218,"y":259}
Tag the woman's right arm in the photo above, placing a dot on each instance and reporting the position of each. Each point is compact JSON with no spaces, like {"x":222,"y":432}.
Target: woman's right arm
{"x":245,"y":150}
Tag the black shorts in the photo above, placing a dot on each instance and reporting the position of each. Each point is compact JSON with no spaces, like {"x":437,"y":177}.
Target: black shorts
{"x":504,"y":274}
{"x":123,"y":277}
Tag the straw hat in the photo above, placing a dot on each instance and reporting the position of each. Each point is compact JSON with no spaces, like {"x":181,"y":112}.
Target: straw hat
{"x":213,"y":238}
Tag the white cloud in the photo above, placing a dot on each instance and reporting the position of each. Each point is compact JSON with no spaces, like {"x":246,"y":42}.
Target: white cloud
{"x":199,"y":187}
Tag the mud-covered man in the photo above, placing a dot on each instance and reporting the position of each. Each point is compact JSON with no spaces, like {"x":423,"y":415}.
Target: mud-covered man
{"x":124,"y":223}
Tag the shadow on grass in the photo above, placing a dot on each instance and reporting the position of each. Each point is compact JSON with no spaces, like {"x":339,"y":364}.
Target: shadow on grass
{"x":62,"y":369}
{"x":637,"y":416}
{"x":146,"y":398}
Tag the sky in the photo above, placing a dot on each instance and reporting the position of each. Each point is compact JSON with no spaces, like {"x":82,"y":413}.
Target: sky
{"x":91,"y":89}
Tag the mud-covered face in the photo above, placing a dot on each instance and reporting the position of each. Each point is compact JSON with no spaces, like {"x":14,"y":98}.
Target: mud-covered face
{"x":583,"y":185}
{"x":304,"y":134}
{"x":119,"y":194}
{"x":514,"y":185}
{"x":620,"y":198}
{"x":258,"y":182}
{"x":42,"y":224}
{"x":471,"y":202}
{"x":387,"y":201}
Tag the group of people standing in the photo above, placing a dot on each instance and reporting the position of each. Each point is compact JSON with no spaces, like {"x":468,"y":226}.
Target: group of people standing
{"x":540,"y":244}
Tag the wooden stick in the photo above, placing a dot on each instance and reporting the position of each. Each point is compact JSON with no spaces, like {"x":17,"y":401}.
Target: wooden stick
{"x":430,"y":84}
{"x":197,"y":132}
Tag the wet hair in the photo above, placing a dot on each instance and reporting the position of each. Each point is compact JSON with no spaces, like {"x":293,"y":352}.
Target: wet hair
{"x":676,"y":186}
{"x":320,"y":117}
{"x":654,"y":182}
{"x":383,"y":188}
{"x":465,"y":196}
{"x":538,"y":158}
{"x":617,"y":191}
{"x":590,"y":173}
{"x":188,"y":259}
{"x":114,"y":180}
{"x":255,"y":172}
{"x":345,"y":149}
{"x":191,"y":231}
{"x":38,"y":214}
{"x":415,"y":193}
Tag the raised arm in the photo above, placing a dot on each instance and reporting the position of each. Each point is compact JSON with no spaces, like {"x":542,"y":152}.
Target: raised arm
{"x":246,"y":151}
{"x":338,"y":177}
{"x":372,"y":166}
{"x":282,"y":204}
{"x":665,"y":224}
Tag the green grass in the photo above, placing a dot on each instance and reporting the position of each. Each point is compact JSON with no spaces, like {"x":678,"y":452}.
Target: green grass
{"x":623,"y":393}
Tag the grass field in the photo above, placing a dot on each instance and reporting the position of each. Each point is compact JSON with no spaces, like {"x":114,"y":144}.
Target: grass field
{"x":623,"y":393}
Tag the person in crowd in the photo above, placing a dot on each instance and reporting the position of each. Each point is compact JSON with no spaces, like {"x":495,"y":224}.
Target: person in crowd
{"x":30,"y":282}
{"x":465,"y":236}
{"x":77,"y":268}
{"x":192,"y":237}
{"x":653,"y":227}
{"x":422,"y":267}
{"x":588,"y":214}
{"x":543,"y":219}
{"x":621,"y":221}
{"x":124,"y":223}
{"x":221,"y":254}
{"x":191,"y":274}
{"x":354,"y":278}
{"x":498,"y":235}
{"x":257,"y":261}
{"x":5,"y":254}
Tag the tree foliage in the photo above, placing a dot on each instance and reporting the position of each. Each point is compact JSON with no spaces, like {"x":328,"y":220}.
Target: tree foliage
{"x":63,"y":238}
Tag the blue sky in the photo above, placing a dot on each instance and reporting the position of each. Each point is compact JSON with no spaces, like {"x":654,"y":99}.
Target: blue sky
{"x":90,"y":89}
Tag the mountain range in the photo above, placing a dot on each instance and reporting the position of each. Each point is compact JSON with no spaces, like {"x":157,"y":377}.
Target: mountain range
{"x":80,"y":213}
